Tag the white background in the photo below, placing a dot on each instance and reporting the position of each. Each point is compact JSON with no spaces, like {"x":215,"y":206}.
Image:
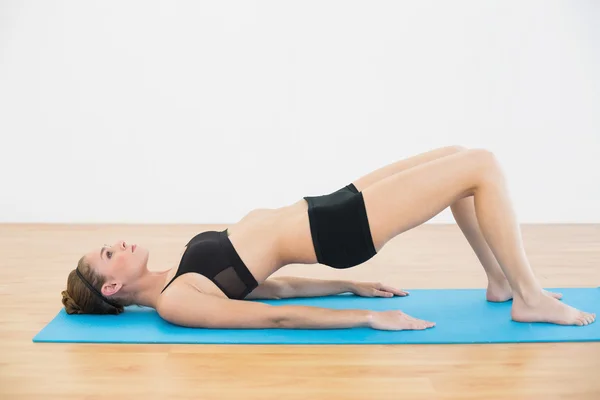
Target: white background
{"x":199,"y":111}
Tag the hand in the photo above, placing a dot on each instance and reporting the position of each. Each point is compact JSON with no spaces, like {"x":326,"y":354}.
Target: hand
{"x":374,"y":289}
{"x":395,"y":320}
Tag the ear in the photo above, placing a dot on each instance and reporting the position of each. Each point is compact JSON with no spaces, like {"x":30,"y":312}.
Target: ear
{"x":110,"y":288}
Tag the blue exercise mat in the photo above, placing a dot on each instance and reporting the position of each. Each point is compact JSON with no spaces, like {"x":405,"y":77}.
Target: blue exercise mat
{"x":462,"y":316}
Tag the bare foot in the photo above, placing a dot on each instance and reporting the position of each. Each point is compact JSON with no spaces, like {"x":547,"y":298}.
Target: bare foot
{"x":499,"y":292}
{"x":545,"y":308}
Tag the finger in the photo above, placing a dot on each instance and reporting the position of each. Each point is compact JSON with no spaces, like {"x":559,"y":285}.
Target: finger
{"x":411,"y":317}
{"x":417,"y":326}
{"x":381,"y":293}
{"x":397,"y":292}
{"x":428,"y":323}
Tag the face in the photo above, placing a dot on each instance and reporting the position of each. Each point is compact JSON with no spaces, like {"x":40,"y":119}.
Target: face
{"x":121,"y":263}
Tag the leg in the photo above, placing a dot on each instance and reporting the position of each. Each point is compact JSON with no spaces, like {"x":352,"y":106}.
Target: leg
{"x":499,"y":288}
{"x":464,"y":213}
{"x":375,"y":176}
{"x":466,"y":218}
{"x":407,"y":199}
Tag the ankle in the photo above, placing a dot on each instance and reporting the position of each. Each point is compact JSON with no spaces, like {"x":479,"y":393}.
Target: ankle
{"x":530,"y":297}
{"x":498,"y":280}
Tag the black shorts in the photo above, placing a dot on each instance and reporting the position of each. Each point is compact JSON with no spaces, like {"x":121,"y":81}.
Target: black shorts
{"x":339,"y":228}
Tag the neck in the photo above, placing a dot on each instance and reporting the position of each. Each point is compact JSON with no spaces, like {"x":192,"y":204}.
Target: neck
{"x":148,"y":288}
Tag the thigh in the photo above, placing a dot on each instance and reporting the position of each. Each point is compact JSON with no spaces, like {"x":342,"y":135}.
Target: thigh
{"x":411,"y":197}
{"x":402,"y":165}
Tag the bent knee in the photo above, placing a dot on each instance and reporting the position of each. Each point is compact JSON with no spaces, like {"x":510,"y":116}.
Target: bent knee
{"x":458,"y":148}
{"x":454,"y":149}
{"x":486,"y":163}
{"x":484,"y":156}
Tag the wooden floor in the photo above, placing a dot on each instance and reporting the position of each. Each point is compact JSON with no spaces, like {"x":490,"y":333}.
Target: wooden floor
{"x":35,"y":260}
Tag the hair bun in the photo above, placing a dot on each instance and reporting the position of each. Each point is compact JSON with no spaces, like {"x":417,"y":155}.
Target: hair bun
{"x":70,"y":305}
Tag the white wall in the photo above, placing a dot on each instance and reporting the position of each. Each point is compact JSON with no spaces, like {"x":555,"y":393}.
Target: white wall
{"x":197,"y":112}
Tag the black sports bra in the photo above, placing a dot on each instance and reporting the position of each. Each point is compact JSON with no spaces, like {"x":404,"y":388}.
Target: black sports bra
{"x":212,"y":254}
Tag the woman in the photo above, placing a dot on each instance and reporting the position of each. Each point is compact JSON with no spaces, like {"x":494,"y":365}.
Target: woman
{"x":218,"y":270}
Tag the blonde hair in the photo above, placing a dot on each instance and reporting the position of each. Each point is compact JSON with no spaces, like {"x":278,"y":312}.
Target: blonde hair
{"x":80,"y":299}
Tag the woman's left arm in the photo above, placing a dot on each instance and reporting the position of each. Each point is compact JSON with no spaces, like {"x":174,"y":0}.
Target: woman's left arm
{"x":290,"y":286}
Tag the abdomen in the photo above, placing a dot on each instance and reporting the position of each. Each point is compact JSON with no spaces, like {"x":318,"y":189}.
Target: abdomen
{"x":268,"y":239}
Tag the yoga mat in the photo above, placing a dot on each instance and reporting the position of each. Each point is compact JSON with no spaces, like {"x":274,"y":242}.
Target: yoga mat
{"x":462,"y":316}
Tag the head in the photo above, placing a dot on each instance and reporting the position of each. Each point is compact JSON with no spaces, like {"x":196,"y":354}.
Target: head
{"x":112,"y":271}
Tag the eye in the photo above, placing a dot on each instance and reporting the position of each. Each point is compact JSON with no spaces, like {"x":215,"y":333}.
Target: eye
{"x":109,"y":254}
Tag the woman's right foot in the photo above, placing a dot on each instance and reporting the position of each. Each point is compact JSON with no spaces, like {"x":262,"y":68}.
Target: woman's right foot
{"x":544,"y":308}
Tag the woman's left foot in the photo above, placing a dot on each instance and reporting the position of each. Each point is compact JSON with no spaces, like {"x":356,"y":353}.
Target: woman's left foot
{"x":498,"y":292}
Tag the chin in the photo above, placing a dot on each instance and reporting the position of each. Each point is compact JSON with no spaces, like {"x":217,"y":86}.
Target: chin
{"x":143,"y":255}
{"x":140,"y":251}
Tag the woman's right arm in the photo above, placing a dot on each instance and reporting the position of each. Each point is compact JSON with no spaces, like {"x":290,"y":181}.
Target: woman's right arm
{"x":193,"y":309}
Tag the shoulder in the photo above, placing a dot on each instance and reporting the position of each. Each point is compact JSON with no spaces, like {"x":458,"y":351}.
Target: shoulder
{"x":174,"y":299}
{"x":191,"y":293}
{"x":189,"y":307}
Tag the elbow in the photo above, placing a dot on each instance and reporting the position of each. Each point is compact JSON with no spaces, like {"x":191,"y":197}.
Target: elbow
{"x":278,"y":322}
{"x":289,"y":319}
{"x":279,"y":318}
{"x":281,"y":290}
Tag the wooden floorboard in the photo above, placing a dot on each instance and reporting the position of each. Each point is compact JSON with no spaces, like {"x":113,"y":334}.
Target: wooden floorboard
{"x":35,"y":260}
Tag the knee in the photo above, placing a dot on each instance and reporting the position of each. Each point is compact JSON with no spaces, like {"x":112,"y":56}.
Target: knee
{"x":456,"y":148}
{"x":487,"y":163}
{"x":484,"y":156}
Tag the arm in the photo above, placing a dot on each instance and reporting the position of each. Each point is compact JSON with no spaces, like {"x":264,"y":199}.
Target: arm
{"x":190,"y":308}
{"x":289,"y":286}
